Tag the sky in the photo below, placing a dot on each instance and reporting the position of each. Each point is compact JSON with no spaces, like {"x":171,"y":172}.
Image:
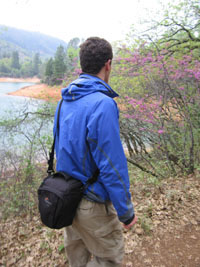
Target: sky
{"x":66,"y":19}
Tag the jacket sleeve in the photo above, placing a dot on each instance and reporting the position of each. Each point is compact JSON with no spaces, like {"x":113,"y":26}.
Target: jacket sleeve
{"x":106,"y":148}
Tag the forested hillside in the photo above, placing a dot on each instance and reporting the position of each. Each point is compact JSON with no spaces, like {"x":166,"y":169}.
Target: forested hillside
{"x":27,"y":43}
{"x":24,"y":53}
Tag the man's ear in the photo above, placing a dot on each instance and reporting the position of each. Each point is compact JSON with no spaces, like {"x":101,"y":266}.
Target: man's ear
{"x":108,"y":64}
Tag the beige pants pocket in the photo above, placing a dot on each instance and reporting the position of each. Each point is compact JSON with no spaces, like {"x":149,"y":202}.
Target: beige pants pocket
{"x":110,"y":236}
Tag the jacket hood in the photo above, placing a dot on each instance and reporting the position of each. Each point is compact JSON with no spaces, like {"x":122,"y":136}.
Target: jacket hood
{"x":86,"y":84}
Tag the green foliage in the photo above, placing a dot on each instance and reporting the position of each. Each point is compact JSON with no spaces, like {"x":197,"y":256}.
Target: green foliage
{"x":18,"y":195}
{"x":146,"y":224}
{"x":71,"y":58}
{"x":49,"y":72}
{"x":12,"y":67}
{"x":36,"y":64}
{"x":5,"y":68}
{"x":22,"y":53}
{"x":8,"y":48}
{"x":23,"y":164}
{"x":158,"y":80}
{"x":59,"y":66}
{"x":28,"y":43}
{"x":61,"y":248}
{"x":15,"y":60}
{"x":72,"y":54}
{"x":64,"y":63}
{"x":27,"y":69}
{"x":74,"y":43}
{"x":180,"y":28}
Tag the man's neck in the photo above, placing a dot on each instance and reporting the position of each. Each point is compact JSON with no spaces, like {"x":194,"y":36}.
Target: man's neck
{"x":101,"y":76}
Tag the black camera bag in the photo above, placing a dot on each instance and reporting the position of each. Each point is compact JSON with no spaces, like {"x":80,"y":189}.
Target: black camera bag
{"x":60,"y":194}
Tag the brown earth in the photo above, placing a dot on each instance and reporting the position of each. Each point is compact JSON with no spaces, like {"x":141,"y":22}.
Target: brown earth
{"x":167,"y":233}
{"x":39,"y":91}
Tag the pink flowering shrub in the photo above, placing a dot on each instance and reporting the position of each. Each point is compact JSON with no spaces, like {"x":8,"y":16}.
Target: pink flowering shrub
{"x":160,"y":99}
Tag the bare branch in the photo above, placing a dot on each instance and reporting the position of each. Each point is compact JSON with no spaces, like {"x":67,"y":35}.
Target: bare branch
{"x":141,"y":167}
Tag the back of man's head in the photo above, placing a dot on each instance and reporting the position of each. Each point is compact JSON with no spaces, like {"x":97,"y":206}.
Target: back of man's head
{"x":94,"y":53}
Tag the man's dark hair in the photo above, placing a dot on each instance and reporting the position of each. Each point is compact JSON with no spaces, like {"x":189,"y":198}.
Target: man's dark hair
{"x":94,"y":53}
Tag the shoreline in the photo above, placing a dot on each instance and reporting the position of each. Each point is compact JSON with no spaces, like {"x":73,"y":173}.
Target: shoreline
{"x":38,"y":90}
{"x":19,"y":80}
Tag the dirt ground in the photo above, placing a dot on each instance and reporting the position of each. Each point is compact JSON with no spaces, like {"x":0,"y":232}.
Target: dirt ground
{"x":176,"y":248}
{"x":167,"y":233}
{"x":39,"y":91}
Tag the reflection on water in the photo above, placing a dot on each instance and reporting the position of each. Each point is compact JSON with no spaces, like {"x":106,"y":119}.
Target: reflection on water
{"x":9,"y":104}
{"x":8,"y":87}
{"x":12,"y":107}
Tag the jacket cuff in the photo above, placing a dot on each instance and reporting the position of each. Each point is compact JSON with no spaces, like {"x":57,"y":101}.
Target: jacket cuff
{"x":129,"y":220}
{"x":129,"y":215}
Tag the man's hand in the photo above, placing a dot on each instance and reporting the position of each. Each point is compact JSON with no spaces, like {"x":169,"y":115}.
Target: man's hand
{"x":131,"y":224}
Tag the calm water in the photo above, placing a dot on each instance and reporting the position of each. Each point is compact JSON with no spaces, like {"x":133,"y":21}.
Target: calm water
{"x":7,"y":87}
{"x":13,"y":107}
{"x":10,"y":104}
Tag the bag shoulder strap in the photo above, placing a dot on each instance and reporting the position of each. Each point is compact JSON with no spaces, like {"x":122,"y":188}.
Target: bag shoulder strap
{"x":50,"y":170}
{"x":51,"y":154}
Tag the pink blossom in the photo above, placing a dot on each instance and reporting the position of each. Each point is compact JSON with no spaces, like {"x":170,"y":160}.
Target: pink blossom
{"x":160,"y":131}
{"x":197,"y":75}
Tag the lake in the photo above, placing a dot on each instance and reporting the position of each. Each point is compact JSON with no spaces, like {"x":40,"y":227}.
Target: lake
{"x":12,"y":106}
{"x":11,"y":103}
{"x":8,"y":87}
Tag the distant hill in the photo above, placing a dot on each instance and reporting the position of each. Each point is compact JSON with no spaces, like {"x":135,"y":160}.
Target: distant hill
{"x":27,"y":43}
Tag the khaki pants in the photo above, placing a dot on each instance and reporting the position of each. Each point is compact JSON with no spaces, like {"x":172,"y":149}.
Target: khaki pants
{"x":95,"y":238}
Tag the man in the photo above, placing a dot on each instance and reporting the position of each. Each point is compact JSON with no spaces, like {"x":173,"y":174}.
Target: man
{"x":89,"y":138}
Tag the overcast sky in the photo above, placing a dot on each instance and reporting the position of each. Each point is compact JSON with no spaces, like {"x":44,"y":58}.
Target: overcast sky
{"x":65,"y":19}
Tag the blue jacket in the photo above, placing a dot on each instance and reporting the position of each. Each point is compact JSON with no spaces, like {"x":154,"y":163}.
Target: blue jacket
{"x":89,"y":138}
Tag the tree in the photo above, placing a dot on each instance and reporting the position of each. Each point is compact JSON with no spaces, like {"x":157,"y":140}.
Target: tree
{"x":27,"y":69}
{"x":4,"y":70}
{"x":179,"y":30}
{"x":59,"y":66}
{"x":15,"y":60}
{"x":25,"y":142}
{"x":72,"y":54}
{"x":49,"y":71}
{"x":159,"y":76}
{"x":74,"y":43}
{"x":36,"y":64}
{"x":160,"y":103}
